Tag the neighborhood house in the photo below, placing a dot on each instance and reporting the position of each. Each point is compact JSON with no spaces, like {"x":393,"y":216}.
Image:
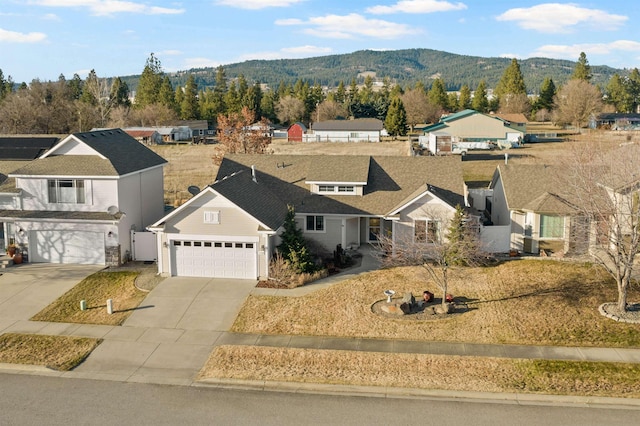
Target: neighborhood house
{"x":79,"y":201}
{"x":230,"y":228}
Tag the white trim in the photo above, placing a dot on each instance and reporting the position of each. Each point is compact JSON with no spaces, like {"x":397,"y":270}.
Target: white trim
{"x":67,"y":140}
{"x":334,"y":182}
{"x":426,"y":192}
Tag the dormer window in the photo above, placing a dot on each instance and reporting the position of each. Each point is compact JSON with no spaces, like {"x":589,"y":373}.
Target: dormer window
{"x":336,"y":189}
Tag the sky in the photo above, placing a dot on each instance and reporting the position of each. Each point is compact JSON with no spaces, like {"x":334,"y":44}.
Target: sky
{"x":45,"y":38}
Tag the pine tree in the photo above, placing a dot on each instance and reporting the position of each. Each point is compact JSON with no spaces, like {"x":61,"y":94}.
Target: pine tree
{"x":119,"y":93}
{"x":293,"y":246}
{"x":480,"y":102}
{"x":340,"y":95}
{"x":438,"y":94}
{"x":618,"y":95}
{"x":396,"y":121}
{"x":510,"y":86}
{"x":547,"y":94}
{"x":148,"y":90}
{"x":167,"y":96}
{"x":464,"y":102}
{"x":582,"y":71}
{"x":189,"y":109}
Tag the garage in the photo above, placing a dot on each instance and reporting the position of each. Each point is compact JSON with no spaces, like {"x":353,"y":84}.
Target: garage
{"x":216,"y":259}
{"x":68,"y":246}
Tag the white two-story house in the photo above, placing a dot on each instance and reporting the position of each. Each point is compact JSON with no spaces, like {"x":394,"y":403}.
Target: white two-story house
{"x":79,"y":201}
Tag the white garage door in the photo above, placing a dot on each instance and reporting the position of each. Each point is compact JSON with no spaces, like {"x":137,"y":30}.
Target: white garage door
{"x":217,"y":259}
{"x":67,"y":247}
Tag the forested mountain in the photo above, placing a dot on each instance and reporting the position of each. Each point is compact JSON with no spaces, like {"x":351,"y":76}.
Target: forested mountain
{"x":405,"y":67}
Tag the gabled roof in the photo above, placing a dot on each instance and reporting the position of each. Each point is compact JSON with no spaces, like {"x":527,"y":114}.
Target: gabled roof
{"x":112,"y":153}
{"x":364,"y":124}
{"x":25,"y":147}
{"x":391,"y":180}
{"x":250,"y":195}
{"x":512,"y":117}
{"x":534,"y":187}
{"x":140,"y":133}
{"x":458,"y":115}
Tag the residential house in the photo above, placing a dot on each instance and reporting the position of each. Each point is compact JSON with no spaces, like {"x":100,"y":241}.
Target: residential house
{"x":78,"y":202}
{"x":473,"y":126}
{"x":539,"y":214}
{"x":231,"y":227}
{"x":357,"y":130}
{"x":616,"y":121}
{"x":516,"y":121}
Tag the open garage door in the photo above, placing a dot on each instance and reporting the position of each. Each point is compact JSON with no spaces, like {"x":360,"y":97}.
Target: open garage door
{"x":216,"y":259}
{"x":67,"y":246}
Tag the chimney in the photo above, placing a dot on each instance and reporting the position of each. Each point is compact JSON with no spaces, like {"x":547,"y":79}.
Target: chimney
{"x":506,"y":158}
{"x":253,"y":173}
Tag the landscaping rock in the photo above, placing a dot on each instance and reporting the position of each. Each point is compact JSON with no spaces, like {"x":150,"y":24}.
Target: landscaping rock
{"x":405,"y":307}
{"x":408,"y":298}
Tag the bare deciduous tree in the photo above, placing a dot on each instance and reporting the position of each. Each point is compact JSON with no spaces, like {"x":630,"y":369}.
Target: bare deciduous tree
{"x":515,"y":103}
{"x":418,"y":108}
{"x":289,"y":109}
{"x":435,"y":247}
{"x":576,"y":101}
{"x":330,"y":110}
{"x":605,"y":188}
{"x":239,"y":134}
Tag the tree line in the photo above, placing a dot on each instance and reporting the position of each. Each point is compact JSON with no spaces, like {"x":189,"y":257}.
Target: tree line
{"x":65,"y":106}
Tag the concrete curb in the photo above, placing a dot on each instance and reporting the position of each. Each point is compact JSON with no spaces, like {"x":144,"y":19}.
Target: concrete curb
{"x":391,"y":392}
{"x":10,"y":367}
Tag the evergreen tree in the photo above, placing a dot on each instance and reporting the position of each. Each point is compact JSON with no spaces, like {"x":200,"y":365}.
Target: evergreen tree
{"x":268,"y":106}
{"x":366,"y":93}
{"x":75,"y":86}
{"x":243,"y":87}
{"x":464,"y":102}
{"x":167,"y":95}
{"x":189,"y":108}
{"x":340,"y":94}
{"x":582,"y":71}
{"x":119,"y":93}
{"x":547,"y":95}
{"x":293,"y":246}
{"x":253,"y":99}
{"x":3,"y":87}
{"x":510,"y":85}
{"x":148,"y":91}
{"x":618,"y":95}
{"x":452,"y":101}
{"x":231,"y":100}
{"x":438,"y":94}
{"x":396,"y":121}
{"x":480,"y":102}
{"x":90,"y":89}
{"x":634,"y":89}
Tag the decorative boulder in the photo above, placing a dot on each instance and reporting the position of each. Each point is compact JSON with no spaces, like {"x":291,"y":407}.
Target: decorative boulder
{"x":406,"y":308}
{"x":441,"y":309}
{"x":408,"y":298}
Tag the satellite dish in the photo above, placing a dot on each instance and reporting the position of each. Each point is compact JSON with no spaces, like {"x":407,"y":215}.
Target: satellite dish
{"x":193,"y":190}
{"x":113,"y":210}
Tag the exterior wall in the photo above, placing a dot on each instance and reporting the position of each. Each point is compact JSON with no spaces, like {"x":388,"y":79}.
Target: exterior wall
{"x":499,"y":210}
{"x":234,"y":224}
{"x":352,"y":227}
{"x":330,"y":237}
{"x":99,"y":195}
{"x":343,"y":136}
{"x":495,"y":239}
{"x":478,"y":126}
{"x":72,"y":147}
{"x":427,"y":207}
{"x":358,"y":189}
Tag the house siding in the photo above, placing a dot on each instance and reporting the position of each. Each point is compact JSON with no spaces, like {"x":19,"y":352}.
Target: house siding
{"x":99,"y":195}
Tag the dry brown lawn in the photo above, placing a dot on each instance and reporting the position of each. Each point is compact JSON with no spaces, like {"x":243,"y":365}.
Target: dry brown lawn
{"x":520,"y":302}
{"x":423,"y":371}
{"x":56,"y":352}
{"x":95,"y":290}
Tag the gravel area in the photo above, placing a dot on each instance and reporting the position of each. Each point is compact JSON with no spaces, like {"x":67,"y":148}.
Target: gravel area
{"x":631,"y":315}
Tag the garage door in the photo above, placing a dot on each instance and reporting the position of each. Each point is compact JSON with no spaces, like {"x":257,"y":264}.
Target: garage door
{"x":67,"y":247}
{"x":217,"y":259}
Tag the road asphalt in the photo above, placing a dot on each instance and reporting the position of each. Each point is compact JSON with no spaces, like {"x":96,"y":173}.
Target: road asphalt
{"x":169,"y":338}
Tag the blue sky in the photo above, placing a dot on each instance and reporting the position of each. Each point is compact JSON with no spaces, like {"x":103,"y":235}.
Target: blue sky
{"x":44,"y":38}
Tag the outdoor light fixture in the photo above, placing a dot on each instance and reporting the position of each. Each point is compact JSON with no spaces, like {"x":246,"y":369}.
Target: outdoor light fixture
{"x":110,"y":234}
{"x":21,"y":232}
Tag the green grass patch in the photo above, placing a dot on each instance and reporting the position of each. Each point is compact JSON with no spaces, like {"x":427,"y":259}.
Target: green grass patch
{"x":95,"y":290}
{"x":61,"y":353}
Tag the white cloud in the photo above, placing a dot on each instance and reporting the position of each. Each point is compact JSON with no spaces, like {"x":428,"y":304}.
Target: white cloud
{"x":170,"y":52}
{"x":510,"y":55}
{"x":109,"y":7}
{"x":417,"y":6}
{"x":561,"y":18}
{"x":573,"y":51}
{"x":257,"y":4}
{"x":350,"y":26}
{"x":16,"y":37}
{"x":51,"y":17}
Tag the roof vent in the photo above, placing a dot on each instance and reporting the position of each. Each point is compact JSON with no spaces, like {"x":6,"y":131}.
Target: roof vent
{"x":253,"y":173}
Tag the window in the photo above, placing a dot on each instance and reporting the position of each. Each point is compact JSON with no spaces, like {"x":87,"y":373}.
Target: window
{"x":551,"y":226}
{"x":326,"y":188}
{"x":346,"y":188}
{"x":212,"y":217}
{"x":66,"y":191}
{"x":426,"y":231}
{"x":315,"y":223}
{"x":354,"y":135}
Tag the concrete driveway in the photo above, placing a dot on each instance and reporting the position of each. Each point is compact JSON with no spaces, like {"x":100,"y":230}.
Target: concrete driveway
{"x":28,"y":288}
{"x":187,"y":303}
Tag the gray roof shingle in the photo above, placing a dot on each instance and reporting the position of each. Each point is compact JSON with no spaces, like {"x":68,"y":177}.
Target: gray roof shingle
{"x":391,"y":180}
{"x":364,"y":124}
